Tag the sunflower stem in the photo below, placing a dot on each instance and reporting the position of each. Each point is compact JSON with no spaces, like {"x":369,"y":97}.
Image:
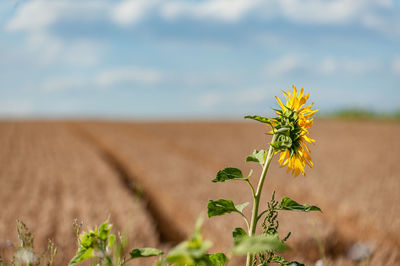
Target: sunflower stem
{"x":257,"y":196}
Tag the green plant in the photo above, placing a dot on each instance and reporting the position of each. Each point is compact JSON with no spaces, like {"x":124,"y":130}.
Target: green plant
{"x":24,"y":253}
{"x":105,"y":248}
{"x":289,"y":138}
{"x":194,"y":252}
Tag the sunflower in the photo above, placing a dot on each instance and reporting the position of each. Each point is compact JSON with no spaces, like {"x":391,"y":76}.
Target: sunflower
{"x":291,"y":129}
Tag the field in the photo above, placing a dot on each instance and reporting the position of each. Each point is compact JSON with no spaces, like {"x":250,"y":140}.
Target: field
{"x":154,"y":181}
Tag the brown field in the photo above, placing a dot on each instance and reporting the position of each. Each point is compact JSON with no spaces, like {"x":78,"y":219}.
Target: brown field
{"x":154,"y":181}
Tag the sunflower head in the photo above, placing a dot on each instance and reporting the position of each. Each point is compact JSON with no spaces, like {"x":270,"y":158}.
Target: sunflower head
{"x":291,"y":131}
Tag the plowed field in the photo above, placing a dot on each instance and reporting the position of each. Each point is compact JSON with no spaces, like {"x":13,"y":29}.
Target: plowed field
{"x":154,"y":180}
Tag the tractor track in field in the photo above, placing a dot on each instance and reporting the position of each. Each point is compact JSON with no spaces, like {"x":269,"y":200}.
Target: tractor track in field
{"x":49,"y":177}
{"x":167,"y":232}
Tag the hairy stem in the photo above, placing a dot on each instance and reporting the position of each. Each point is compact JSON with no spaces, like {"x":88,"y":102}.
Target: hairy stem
{"x":257,"y":196}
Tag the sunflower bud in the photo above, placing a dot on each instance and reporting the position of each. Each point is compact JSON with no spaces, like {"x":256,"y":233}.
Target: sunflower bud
{"x":282,"y":142}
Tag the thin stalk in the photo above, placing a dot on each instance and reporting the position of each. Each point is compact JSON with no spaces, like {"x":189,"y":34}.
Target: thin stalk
{"x":257,"y":196}
{"x":245,"y":219}
{"x":251,"y":187}
{"x":124,"y":261}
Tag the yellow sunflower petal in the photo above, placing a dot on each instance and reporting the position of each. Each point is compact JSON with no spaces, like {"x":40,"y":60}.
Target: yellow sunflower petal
{"x":309,"y":140}
{"x":280,"y":103}
{"x":301,"y":93}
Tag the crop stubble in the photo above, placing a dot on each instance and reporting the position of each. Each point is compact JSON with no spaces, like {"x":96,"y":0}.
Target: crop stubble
{"x":355,"y":180}
{"x":49,"y":177}
{"x":53,"y":172}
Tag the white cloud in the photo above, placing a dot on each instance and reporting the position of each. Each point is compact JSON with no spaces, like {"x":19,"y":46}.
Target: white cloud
{"x":104,"y":79}
{"x":34,"y":15}
{"x":115,"y":76}
{"x":321,"y":11}
{"x":389,"y":25}
{"x":284,"y":65}
{"x":129,"y":12}
{"x":50,"y":49}
{"x":242,"y":96}
{"x":379,"y":15}
{"x":210,"y":99}
{"x":38,"y":15}
{"x":359,"y":67}
{"x":224,"y":10}
{"x":45,"y":46}
{"x":366,"y":13}
{"x":396,"y":65}
{"x":250,"y":95}
{"x":328,"y":66}
{"x":82,"y":52}
{"x":64,"y":83}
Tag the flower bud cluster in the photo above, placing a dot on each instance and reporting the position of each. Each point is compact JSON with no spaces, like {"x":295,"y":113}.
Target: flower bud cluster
{"x":287,"y":130}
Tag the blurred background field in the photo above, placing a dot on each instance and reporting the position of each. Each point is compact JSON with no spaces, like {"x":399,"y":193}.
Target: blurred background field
{"x":154,"y":181}
{"x":129,"y":108}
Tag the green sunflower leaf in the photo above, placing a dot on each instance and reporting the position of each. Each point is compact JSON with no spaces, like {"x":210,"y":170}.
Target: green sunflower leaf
{"x":240,"y":207}
{"x":82,"y":254}
{"x":229,"y":173}
{"x":104,"y":231}
{"x":259,"y":118}
{"x":221,"y":207}
{"x":291,"y":205}
{"x":238,"y":234}
{"x":218,"y":259}
{"x":145,"y":252}
{"x":259,"y":243}
{"x":257,"y":156}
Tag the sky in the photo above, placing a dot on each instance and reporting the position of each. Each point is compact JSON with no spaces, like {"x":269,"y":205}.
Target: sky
{"x":162,"y":59}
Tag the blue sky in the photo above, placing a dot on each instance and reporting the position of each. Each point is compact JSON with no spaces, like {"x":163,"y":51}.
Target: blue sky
{"x":190,"y":59}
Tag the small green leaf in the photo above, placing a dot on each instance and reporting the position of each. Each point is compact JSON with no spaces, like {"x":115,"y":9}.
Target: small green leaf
{"x":240,"y":207}
{"x":104,"y":230}
{"x":82,"y":254}
{"x":111,"y":240}
{"x":258,"y":118}
{"x":229,"y":173}
{"x":192,"y":251}
{"x":238,"y":234}
{"x":218,"y":259}
{"x":176,"y":258}
{"x":257,"y":156}
{"x":290,"y":205}
{"x":88,"y":240}
{"x":259,"y":243}
{"x":145,"y":252}
{"x":220,"y":207}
